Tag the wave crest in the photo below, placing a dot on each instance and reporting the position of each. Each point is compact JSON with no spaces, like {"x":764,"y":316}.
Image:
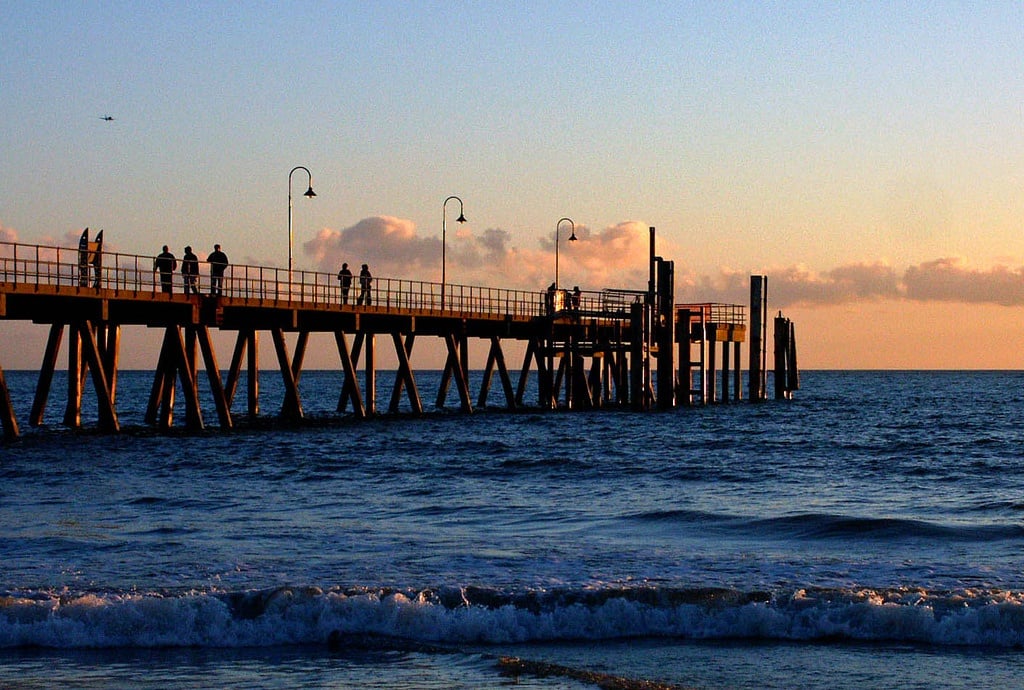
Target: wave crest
{"x":309,"y":615}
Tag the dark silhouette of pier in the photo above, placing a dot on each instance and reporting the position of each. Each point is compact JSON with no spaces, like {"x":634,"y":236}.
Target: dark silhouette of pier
{"x":613,"y":347}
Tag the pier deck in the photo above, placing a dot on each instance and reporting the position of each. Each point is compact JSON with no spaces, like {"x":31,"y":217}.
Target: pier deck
{"x":595,"y":352}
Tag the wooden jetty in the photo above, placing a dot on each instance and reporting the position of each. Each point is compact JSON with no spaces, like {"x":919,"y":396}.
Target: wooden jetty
{"x":613,"y":347}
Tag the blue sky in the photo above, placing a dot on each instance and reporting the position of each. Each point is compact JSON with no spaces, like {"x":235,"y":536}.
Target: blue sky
{"x":827,"y":144}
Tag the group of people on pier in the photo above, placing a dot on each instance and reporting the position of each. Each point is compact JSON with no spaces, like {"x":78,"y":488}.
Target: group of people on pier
{"x":365,"y":281}
{"x":166,"y":263}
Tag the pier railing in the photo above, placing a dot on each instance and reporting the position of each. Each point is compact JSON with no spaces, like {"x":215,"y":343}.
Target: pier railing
{"x":68,"y":268}
{"x":717,"y":312}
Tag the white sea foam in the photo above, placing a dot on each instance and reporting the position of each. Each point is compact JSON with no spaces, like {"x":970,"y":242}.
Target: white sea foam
{"x":309,"y":615}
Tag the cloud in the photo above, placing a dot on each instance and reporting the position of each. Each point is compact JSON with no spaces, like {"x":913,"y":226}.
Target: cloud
{"x":8,"y":234}
{"x":849,"y":283}
{"x":390,"y":245}
{"x":949,"y":280}
{"x":615,"y":256}
{"x":941,"y":280}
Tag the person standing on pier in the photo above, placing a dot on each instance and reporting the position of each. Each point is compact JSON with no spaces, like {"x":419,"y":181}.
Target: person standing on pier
{"x":190,"y":272}
{"x":345,"y":277}
{"x":218,"y":264}
{"x":164,"y":264}
{"x":365,"y":281}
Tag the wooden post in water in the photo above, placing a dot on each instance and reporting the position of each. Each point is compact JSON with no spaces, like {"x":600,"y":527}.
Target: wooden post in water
{"x":370,"y":373}
{"x":787,"y":377}
{"x":7,"y":418}
{"x":793,"y":377}
{"x":73,"y":409}
{"x":350,"y":386}
{"x":703,"y":356}
{"x":684,"y":380}
{"x":737,"y":373}
{"x":726,"y":365}
{"x":638,"y":367}
{"x":253,"y":380}
{"x":712,"y":373}
{"x":404,"y":378}
{"x":213,"y":374}
{"x":291,"y":407}
{"x":46,"y":374}
{"x":758,"y":344}
{"x":666,"y":334}
{"x":105,"y":402}
{"x":246,"y":343}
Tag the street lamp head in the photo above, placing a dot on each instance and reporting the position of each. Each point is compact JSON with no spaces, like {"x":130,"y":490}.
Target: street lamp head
{"x":461,"y":218}
{"x":309,"y":192}
{"x":572,"y":237}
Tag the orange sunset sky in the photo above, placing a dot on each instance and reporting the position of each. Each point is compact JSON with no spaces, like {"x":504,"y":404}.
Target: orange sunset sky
{"x":867,"y":157}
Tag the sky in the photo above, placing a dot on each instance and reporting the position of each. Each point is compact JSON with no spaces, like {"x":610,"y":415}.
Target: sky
{"x":867,"y":157}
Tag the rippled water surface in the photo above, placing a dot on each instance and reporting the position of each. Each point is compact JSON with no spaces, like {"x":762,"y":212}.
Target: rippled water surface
{"x":865,"y":533}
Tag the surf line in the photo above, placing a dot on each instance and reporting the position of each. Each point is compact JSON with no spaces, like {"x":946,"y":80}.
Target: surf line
{"x":509,"y":666}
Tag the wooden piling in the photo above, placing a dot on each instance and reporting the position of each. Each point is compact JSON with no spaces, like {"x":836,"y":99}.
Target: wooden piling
{"x":253,"y":373}
{"x":370,"y":373}
{"x":496,"y":360}
{"x":758,"y":323}
{"x":7,"y":418}
{"x":787,"y":378}
{"x":737,"y":373}
{"x":220,"y":401}
{"x":726,"y":366}
{"x":665,"y":327}
{"x":637,"y":356}
{"x":291,"y":407}
{"x":73,"y":408}
{"x":404,"y":378}
{"x":105,"y":402}
{"x":350,"y":385}
{"x":46,"y":370}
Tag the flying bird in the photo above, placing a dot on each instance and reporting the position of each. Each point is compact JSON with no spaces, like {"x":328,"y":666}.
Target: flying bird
{"x":108,"y":118}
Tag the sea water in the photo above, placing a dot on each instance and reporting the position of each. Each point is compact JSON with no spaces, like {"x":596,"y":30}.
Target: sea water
{"x":867,"y":533}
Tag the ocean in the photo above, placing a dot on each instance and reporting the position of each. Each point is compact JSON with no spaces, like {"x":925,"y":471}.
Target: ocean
{"x":867,"y":534}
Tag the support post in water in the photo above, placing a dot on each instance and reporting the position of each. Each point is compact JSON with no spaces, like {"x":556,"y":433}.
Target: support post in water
{"x":787,"y":377}
{"x":758,"y":324}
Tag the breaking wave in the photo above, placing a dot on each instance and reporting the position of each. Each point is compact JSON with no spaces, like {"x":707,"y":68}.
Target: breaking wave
{"x":469,"y":615}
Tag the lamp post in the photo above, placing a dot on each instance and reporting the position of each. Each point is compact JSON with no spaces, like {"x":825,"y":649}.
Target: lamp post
{"x":460,"y":219}
{"x":572,"y":238}
{"x":310,"y":193}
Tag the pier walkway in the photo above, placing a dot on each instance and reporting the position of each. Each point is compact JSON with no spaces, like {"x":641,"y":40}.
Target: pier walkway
{"x":594,"y":352}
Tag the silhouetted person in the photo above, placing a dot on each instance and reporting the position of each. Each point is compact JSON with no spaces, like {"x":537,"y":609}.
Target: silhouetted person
{"x":190,"y":272}
{"x":345,"y":278}
{"x":365,"y":281}
{"x":575,"y":299}
{"x":550,"y":299}
{"x":218,"y":264}
{"x":165,"y":263}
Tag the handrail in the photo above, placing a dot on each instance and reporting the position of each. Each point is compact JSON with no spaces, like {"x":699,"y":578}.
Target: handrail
{"x":718,"y":312}
{"x":67,"y":268}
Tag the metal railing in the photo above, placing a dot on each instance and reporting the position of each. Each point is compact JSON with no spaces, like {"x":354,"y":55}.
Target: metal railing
{"x":718,"y":312}
{"x":75,"y":270}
